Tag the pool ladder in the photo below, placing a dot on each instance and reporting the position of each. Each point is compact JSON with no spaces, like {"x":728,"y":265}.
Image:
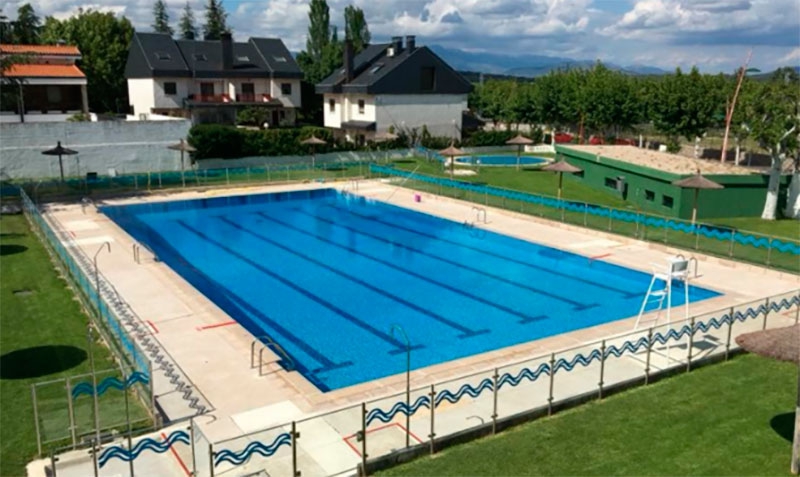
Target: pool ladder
{"x":269,"y":344}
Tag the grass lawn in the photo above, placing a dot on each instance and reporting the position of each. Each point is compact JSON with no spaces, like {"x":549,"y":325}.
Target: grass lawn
{"x":42,"y":337}
{"x":733,"y":418}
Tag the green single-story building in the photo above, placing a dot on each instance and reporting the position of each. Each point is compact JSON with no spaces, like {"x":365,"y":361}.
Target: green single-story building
{"x":644,"y":178}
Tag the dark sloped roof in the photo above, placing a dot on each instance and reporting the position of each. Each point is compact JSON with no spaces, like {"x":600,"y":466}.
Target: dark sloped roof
{"x":374,"y":72}
{"x":157,"y":54}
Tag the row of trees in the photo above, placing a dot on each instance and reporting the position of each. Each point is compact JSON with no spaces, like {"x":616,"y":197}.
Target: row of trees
{"x":215,"y":15}
{"x":678,"y":105}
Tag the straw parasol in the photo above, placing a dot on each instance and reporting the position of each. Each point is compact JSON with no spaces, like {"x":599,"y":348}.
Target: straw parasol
{"x":184,"y":147}
{"x":313,"y":141}
{"x":452,"y":151}
{"x":519,"y":140}
{"x":561,"y":167}
{"x":59,"y":151}
{"x":782,"y":344}
{"x":696,"y":182}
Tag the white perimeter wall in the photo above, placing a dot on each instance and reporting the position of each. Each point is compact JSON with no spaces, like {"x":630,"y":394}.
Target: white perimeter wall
{"x":126,"y":146}
{"x":441,"y":113}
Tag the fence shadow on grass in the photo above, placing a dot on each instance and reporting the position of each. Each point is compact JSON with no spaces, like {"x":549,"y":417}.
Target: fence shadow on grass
{"x":38,"y":361}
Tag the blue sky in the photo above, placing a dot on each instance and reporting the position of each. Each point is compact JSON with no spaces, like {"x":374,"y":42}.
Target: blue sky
{"x":715,"y":35}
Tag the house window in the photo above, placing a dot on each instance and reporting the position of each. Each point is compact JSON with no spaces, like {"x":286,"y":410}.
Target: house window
{"x":286,"y":89}
{"x":283,"y":115}
{"x":170,"y":88}
{"x":248,"y":88}
{"x":162,"y":55}
{"x":649,"y":195}
{"x":360,"y":106}
{"x":243,"y":59}
{"x":331,"y":105}
{"x":611,"y":182}
{"x":427,"y":78}
{"x":667,"y":201}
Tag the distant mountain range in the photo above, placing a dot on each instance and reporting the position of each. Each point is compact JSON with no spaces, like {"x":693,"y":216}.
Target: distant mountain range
{"x":525,"y":65}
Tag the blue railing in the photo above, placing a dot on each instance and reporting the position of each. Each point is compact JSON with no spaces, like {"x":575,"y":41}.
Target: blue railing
{"x":781,"y":245}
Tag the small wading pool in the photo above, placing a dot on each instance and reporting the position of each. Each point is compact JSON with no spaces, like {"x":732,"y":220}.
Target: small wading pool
{"x":327,"y":274}
{"x":502,"y":160}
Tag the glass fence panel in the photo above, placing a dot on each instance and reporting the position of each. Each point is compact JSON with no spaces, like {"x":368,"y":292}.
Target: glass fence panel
{"x":783,"y":253}
{"x":52,"y":411}
{"x":626,"y":357}
{"x":329,"y":444}
{"x":747,"y":317}
{"x":670,"y":345}
{"x":268,"y":451}
{"x":201,"y":459}
{"x":784,"y":310}
{"x":397,"y":422}
{"x":711,"y":333}
{"x":576,"y":372}
{"x":464,"y":403}
{"x":523,"y":386}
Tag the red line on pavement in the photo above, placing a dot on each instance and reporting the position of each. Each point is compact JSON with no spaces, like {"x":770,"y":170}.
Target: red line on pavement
{"x":215,"y":325}
{"x":600,"y":256}
{"x":393,"y":424}
{"x":152,"y":325}
{"x":177,"y":457}
{"x":73,"y":233}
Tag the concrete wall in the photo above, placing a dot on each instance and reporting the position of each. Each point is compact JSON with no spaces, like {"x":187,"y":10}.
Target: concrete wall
{"x":441,"y":113}
{"x":126,"y":146}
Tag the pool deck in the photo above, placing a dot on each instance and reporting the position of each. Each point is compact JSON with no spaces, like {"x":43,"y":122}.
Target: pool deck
{"x":214,"y":352}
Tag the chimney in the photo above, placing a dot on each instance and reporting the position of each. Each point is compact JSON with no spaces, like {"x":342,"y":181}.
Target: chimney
{"x":411,"y":43}
{"x":189,"y":35}
{"x":397,"y":44}
{"x":227,"y":51}
{"x":348,"y":59}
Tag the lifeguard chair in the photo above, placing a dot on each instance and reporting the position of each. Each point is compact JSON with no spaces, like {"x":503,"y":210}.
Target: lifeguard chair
{"x":675,"y":271}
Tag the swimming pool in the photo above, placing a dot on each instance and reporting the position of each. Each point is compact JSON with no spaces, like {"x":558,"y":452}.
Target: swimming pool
{"x":326,"y":275}
{"x":500,"y":160}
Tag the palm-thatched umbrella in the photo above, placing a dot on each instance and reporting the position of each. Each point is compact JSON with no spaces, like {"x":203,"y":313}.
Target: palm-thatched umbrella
{"x":59,"y":151}
{"x":696,"y":182}
{"x":561,"y":167}
{"x":313,"y":141}
{"x":782,"y":344}
{"x":184,"y":147}
{"x":519,"y":140}
{"x":452,"y":151}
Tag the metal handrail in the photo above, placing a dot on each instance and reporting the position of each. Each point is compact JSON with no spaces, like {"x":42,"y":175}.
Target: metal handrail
{"x":270,"y":343}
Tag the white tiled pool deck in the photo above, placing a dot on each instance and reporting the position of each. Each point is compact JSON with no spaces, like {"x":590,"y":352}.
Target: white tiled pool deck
{"x":214,"y":352}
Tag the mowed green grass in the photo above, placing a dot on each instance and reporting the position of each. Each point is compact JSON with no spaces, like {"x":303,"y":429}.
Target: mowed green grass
{"x":42,"y":337}
{"x":733,"y":418}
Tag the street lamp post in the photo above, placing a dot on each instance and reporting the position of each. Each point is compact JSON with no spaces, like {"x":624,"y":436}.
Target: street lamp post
{"x":408,"y":379}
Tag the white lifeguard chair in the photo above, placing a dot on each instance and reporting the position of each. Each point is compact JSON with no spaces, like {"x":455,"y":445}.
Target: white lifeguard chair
{"x":676,"y":270}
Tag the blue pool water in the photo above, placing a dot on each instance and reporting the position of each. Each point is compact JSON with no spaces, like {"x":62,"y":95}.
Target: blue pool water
{"x":500,"y":160}
{"x":326,"y":275}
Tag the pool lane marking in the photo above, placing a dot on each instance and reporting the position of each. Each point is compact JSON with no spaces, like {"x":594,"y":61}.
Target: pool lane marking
{"x":177,"y":457}
{"x":364,"y":326}
{"x":524,"y":318}
{"x":551,"y":271}
{"x":152,"y":325}
{"x":578,"y":305}
{"x":232,"y":304}
{"x":379,"y":428}
{"x":466,"y":332}
{"x":215,"y":325}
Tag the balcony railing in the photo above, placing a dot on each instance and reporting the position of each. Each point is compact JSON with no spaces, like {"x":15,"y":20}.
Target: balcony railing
{"x":210,"y":98}
{"x":253,"y":98}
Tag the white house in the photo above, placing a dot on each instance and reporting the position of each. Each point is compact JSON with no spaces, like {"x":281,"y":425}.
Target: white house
{"x":394,"y":86}
{"x":46,"y":84}
{"x":209,"y":81}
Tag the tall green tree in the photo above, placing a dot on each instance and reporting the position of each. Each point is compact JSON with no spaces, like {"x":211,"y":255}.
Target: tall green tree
{"x":161,"y":18}
{"x":356,"y":29}
{"x":27,"y":27}
{"x":186,"y":26}
{"x":216,"y":20}
{"x":103,"y":39}
{"x":313,"y":60}
{"x":5,"y":28}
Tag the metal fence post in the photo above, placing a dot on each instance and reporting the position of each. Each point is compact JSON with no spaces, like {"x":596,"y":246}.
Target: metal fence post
{"x":295,"y":436}
{"x":730,"y":250}
{"x":602,"y":368}
{"x":494,"y":405}
{"x":647,"y":361}
{"x":211,"y":459}
{"x":160,"y":185}
{"x":227,"y":177}
{"x":71,"y":410}
{"x":93,"y":451}
{"x":36,"y":420}
{"x":766,"y":314}
{"x":769,"y":250}
{"x":797,"y":314}
{"x":585,"y":214}
{"x":610,"y":218}
{"x":53,"y":460}
{"x":552,"y":376}
{"x":266,"y":166}
{"x":691,"y":345}
{"x":730,"y":330}
{"x":364,"y":438}
{"x":247,"y":178}
{"x":191,"y":438}
{"x":152,"y":393}
{"x":432,"y":435}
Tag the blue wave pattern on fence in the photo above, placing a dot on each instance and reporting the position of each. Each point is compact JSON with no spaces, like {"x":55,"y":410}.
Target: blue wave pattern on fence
{"x":239,"y":458}
{"x":157,"y":446}
{"x":86,"y":286}
{"x":399,"y":407}
{"x":580,"y":359}
{"x":783,"y":246}
{"x":111,"y":382}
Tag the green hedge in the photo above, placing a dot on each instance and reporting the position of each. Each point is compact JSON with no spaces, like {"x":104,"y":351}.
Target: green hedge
{"x":228,"y":142}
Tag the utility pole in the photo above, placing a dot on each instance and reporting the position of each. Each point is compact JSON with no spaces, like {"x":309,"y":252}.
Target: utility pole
{"x":729,"y":109}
